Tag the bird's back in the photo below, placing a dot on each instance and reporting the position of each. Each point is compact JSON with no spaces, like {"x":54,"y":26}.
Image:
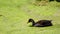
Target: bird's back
{"x":45,"y":22}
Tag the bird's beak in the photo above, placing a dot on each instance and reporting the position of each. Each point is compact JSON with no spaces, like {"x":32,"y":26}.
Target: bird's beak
{"x":27,"y":22}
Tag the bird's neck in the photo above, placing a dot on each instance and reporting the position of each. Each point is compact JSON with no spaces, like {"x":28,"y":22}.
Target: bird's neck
{"x":33,"y":23}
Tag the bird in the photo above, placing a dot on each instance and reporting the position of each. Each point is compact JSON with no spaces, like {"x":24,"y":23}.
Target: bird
{"x":40,"y":23}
